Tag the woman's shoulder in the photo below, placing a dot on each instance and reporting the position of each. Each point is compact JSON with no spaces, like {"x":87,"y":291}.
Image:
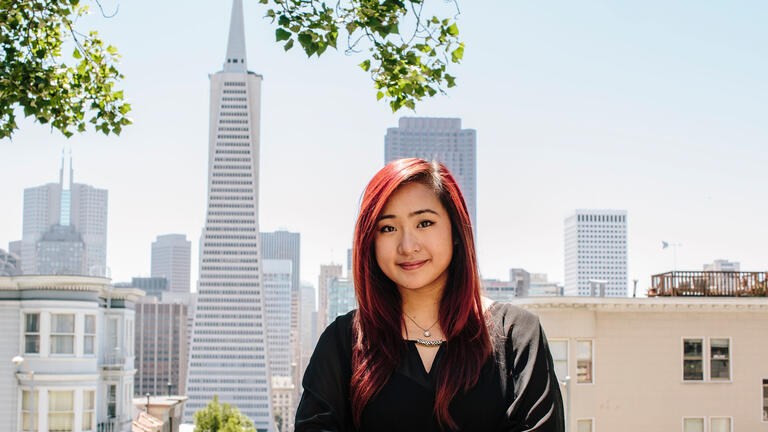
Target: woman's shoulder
{"x":339,"y":332}
{"x":511,"y":319}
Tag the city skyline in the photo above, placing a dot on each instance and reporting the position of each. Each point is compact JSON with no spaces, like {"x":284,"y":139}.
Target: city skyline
{"x":664,"y":125}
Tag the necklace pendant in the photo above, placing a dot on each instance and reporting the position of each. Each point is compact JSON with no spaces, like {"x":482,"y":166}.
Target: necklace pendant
{"x":427,"y":333}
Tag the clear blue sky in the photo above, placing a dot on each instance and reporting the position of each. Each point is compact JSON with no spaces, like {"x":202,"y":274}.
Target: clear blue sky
{"x":655,"y":107}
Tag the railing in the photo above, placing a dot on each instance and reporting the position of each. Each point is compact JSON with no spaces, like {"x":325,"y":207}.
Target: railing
{"x":108,"y":426}
{"x":113,"y":360}
{"x":709,"y":284}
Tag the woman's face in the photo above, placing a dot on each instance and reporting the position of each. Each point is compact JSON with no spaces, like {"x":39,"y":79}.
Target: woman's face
{"x":414,"y":242}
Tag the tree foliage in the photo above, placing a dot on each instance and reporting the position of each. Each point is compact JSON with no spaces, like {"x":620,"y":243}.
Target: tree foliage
{"x":35,"y":77}
{"x":405,"y":65}
{"x":216,"y":417}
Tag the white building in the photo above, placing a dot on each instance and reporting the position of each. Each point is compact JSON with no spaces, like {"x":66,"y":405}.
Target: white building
{"x":277,"y":292}
{"x":596,"y":250}
{"x":73,"y":336}
{"x":441,"y":139}
{"x":723,"y":265}
{"x":283,"y":392}
{"x":67,"y":204}
{"x":171,"y":257}
{"x":228,"y":355}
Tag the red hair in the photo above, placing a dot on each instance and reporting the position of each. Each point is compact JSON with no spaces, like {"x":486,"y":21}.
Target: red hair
{"x":378,"y":343}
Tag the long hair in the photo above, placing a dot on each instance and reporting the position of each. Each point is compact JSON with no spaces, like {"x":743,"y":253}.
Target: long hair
{"x":377,"y":328}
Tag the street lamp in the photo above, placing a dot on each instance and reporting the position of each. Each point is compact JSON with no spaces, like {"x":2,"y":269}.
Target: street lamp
{"x":19,"y":360}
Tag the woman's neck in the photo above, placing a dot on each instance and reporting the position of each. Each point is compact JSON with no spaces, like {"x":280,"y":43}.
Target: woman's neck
{"x":422,"y":305}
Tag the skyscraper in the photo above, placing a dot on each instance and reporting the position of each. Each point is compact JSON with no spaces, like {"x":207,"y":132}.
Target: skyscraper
{"x":596,"y":252}
{"x":327,"y":273}
{"x":441,"y":139}
{"x":277,"y":297}
{"x":341,"y":297}
{"x":307,"y":324}
{"x":65,"y":204}
{"x":161,"y":347}
{"x":171,"y":256}
{"x":228,"y":353}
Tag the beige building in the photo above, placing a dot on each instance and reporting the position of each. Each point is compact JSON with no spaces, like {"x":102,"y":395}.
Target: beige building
{"x":283,"y":392}
{"x":691,"y":364}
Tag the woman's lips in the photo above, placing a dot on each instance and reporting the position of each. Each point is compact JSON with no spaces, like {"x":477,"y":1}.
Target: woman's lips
{"x":412,"y":265}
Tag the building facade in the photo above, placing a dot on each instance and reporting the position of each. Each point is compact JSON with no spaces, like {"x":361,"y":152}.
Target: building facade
{"x":161,"y":348}
{"x":277,"y":308}
{"x":500,"y":291}
{"x":67,"y":204}
{"x":540,"y":286}
{"x":71,"y":339}
{"x":327,"y":273}
{"x":171,"y":258}
{"x":723,"y":265}
{"x":61,"y":251}
{"x":596,"y":250}
{"x":307,"y":326}
{"x":693,"y":364}
{"x":341,"y":297}
{"x":284,"y":402}
{"x":228,"y":354}
{"x":10,"y":264}
{"x":440,"y":139}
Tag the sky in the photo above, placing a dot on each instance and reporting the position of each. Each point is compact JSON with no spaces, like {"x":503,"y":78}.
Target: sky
{"x":658,"y":108}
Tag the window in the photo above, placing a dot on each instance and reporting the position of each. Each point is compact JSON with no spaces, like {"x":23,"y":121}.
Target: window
{"x":32,"y":333}
{"x":61,"y":413}
{"x":719,"y":359}
{"x":28,"y":405}
{"x":584,"y":361}
{"x":693,"y":363}
{"x":62,"y":334}
{"x":719,"y":424}
{"x":89,"y":338}
{"x":89,"y":410}
{"x":693,"y":424}
{"x":129,"y":337}
{"x":112,"y":401}
{"x":765,"y":399}
{"x":559,"y":350}
{"x":584,"y":425}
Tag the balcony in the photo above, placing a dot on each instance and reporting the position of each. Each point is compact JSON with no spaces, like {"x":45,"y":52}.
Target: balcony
{"x":709,"y":284}
{"x":112,"y":361}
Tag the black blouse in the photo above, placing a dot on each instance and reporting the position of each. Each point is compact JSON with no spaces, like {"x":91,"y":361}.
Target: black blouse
{"x":517,"y":390}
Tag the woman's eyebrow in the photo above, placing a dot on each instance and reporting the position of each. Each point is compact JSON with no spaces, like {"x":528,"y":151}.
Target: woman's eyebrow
{"x":414,"y":213}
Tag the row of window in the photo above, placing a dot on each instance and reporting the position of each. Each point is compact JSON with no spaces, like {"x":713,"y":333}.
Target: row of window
{"x":716,"y":424}
{"x":62,"y":334}
{"x":61,"y":410}
{"x":219,"y":174}
{"x":696,"y":356}
{"x":221,"y":151}
{"x":236,"y":159}
{"x":233,"y":144}
{"x":602,"y":218}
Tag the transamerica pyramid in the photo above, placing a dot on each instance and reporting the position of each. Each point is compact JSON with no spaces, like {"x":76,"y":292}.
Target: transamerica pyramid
{"x":228,"y":355}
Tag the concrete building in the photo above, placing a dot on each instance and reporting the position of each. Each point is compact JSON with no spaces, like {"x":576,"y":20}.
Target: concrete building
{"x":500,"y":291}
{"x":341,"y":297}
{"x":284,"y":402}
{"x":327,"y":272}
{"x":14,"y":248}
{"x":61,"y":251}
{"x":71,"y":340}
{"x":171,"y":258}
{"x":228,"y":351}
{"x":161,"y":348}
{"x":10,"y":264}
{"x":440,"y":139}
{"x":695,"y":364}
{"x":723,"y":265}
{"x":308,"y":325}
{"x":521,"y":279}
{"x":66,"y":203}
{"x":152,"y":286}
{"x":277,"y":310}
{"x":596,"y":249}
{"x":540,"y":286}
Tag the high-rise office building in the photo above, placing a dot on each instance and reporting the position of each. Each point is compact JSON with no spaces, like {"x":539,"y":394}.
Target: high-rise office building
{"x":66,"y":204}
{"x":152,"y":286}
{"x":441,"y":139}
{"x":521,"y":280}
{"x":277,"y":311}
{"x":9,"y":264}
{"x":327,"y":273}
{"x":228,"y":352}
{"x":596,"y":253}
{"x":61,"y":251}
{"x":307,"y":325}
{"x":161,"y":348}
{"x":341,"y":297}
{"x":171,"y":257}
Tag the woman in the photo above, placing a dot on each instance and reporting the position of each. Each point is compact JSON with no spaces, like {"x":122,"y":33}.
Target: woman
{"x":425,"y":351}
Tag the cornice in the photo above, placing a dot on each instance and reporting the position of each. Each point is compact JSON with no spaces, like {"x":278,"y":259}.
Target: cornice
{"x":100,"y":285}
{"x":642,"y":304}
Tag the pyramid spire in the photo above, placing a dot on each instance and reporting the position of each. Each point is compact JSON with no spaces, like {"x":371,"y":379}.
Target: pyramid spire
{"x":235,"y":61}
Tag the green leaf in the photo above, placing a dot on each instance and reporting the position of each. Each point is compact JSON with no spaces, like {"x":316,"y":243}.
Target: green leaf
{"x":365,"y":65}
{"x":457,"y":54}
{"x":453,"y":30}
{"x":288,"y":45}
{"x":281,"y":34}
{"x":76,"y":54}
{"x":379,"y":95}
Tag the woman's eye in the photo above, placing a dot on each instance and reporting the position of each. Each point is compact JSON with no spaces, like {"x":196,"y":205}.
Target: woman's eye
{"x":386,"y":229}
{"x":425,"y":223}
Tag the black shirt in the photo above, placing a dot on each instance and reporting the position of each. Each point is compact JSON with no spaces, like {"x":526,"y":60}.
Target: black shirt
{"x":517,"y":389}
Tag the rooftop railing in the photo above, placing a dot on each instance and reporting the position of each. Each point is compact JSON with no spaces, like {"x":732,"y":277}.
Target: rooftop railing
{"x":709,"y":284}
